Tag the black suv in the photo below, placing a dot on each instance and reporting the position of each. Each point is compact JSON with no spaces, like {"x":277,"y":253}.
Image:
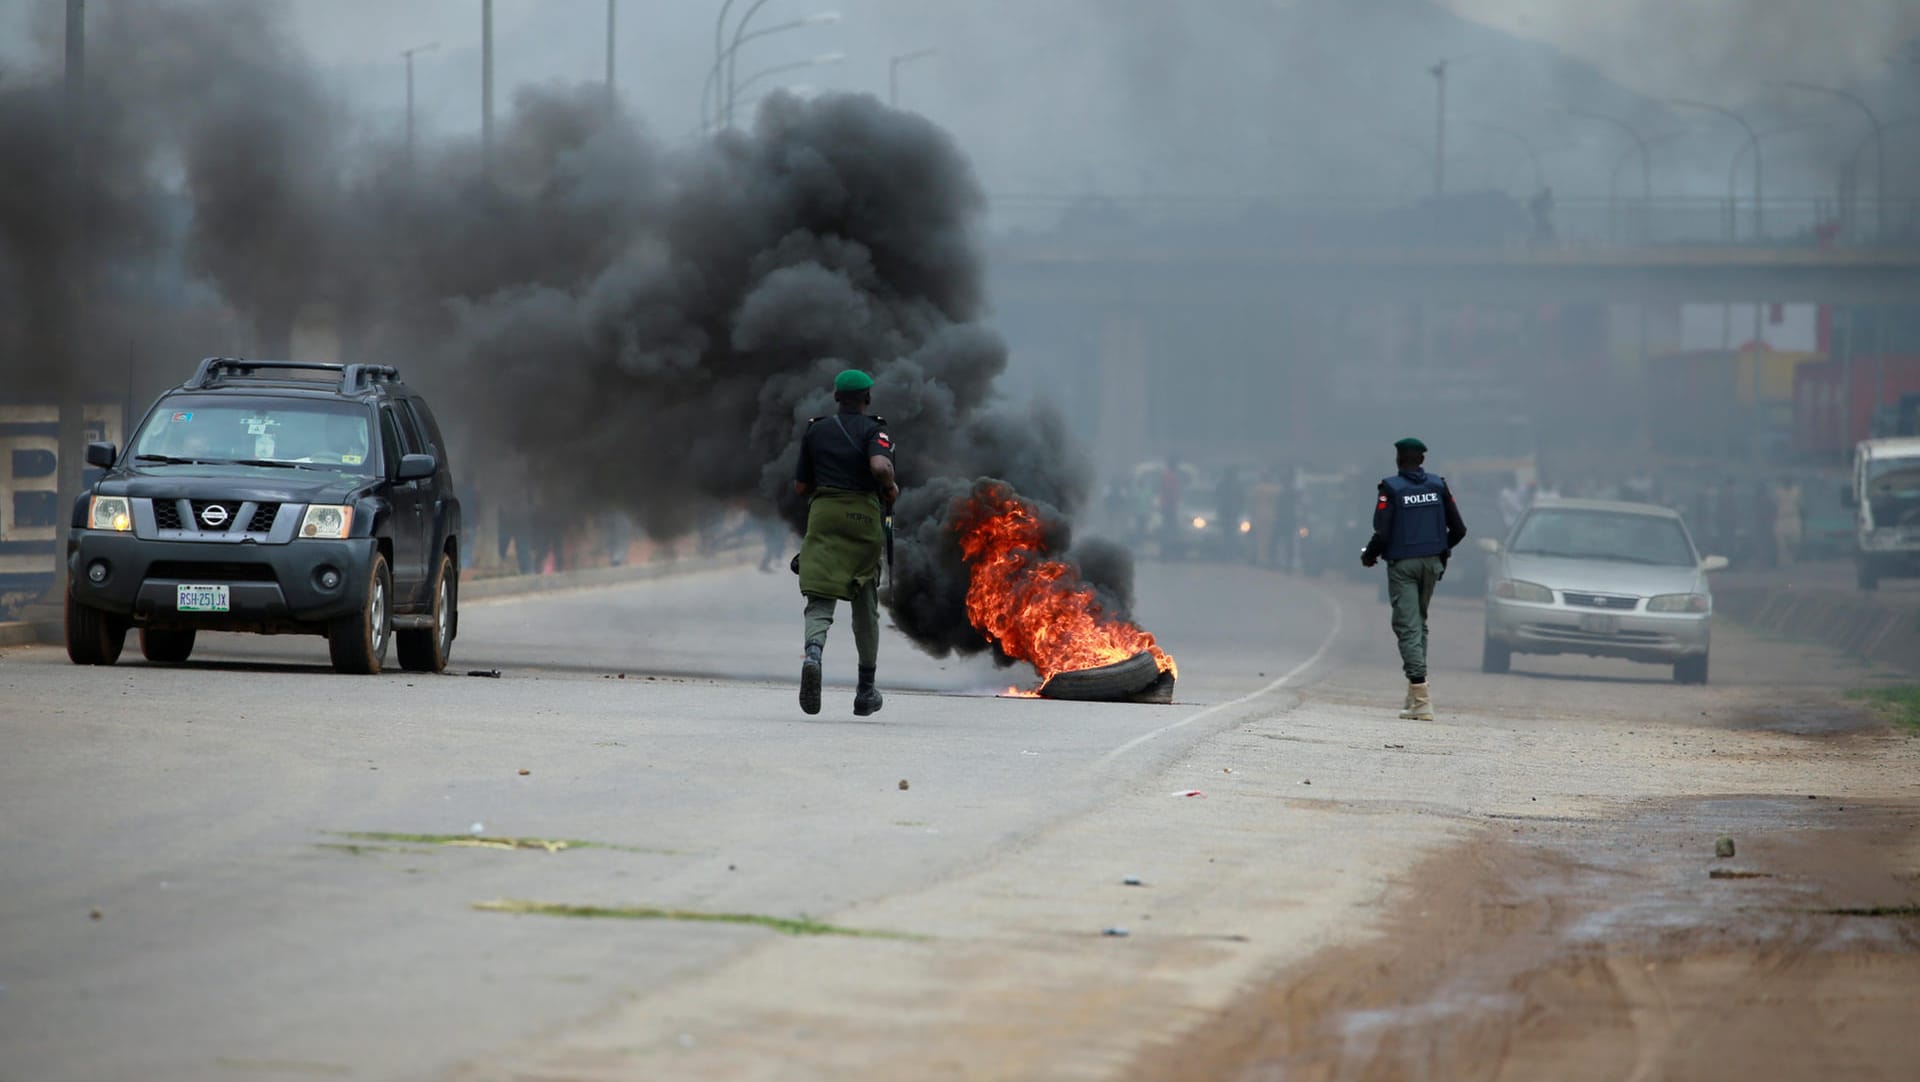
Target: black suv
{"x":272,"y":497}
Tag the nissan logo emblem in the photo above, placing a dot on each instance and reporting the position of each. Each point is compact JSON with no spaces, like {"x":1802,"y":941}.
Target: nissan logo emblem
{"x":214,"y":515}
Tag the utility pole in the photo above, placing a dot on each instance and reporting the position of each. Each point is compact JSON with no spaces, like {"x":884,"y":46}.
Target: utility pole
{"x":72,"y":424}
{"x":486,"y":87}
{"x":407,"y":54}
{"x":1439,"y":73}
{"x":611,"y":19}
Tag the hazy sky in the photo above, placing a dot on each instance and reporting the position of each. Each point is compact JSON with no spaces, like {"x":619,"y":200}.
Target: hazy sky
{"x":1178,"y":96}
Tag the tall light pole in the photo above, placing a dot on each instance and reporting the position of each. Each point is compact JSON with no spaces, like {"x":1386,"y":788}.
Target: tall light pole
{"x":1439,"y":73}
{"x":893,"y":73}
{"x":611,"y":20}
{"x":407,"y":55}
{"x":1759,"y":206}
{"x":720,"y":76}
{"x":1539,"y":175}
{"x":71,"y":434}
{"x":1646,"y":157}
{"x":486,"y":87}
{"x":733,"y":58}
{"x":822,"y":60}
{"x":1733,"y":169}
{"x":1879,"y":150}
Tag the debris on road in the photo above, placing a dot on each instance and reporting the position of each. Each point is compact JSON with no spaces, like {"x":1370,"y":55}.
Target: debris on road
{"x":524,"y":771}
{"x":1115,"y":932}
{"x":1723,"y":847}
{"x":1396,"y":747}
{"x":1730,"y":873}
{"x":1132,"y":881}
{"x":94,"y":915}
{"x":903,"y":783}
{"x":479,"y":839}
{"x":1189,"y":792}
{"x":491,"y":674}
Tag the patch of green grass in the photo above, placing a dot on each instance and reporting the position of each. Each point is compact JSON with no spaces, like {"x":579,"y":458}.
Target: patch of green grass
{"x":783,"y":925}
{"x":491,"y":841}
{"x":1901,"y":704}
{"x":359,"y":850}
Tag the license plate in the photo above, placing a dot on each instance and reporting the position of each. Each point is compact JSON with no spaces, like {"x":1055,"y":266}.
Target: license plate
{"x":1596,"y":624}
{"x":202,"y":599}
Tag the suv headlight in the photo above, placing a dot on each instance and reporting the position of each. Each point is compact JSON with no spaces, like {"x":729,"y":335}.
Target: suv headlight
{"x":1680,"y":603}
{"x":326,"y":520}
{"x":110,"y":513}
{"x":1516,"y":590}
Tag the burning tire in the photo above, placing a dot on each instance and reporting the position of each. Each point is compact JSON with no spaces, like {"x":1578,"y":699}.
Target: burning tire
{"x":1120,"y":680}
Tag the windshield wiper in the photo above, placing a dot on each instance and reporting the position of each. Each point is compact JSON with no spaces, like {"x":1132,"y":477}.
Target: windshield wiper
{"x":273,"y":463}
{"x":171,"y":460}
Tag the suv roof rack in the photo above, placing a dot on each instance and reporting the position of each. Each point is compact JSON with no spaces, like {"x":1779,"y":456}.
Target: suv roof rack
{"x":352,"y":376}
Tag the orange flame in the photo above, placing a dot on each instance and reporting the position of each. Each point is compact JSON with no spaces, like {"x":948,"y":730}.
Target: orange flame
{"x":1037,"y":609}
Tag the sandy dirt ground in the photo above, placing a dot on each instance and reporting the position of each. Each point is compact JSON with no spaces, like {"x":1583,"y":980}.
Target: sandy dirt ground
{"x":1615,"y":943}
{"x":1525,"y":888}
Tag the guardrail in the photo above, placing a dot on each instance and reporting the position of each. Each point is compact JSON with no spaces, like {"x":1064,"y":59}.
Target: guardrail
{"x":1498,"y":218}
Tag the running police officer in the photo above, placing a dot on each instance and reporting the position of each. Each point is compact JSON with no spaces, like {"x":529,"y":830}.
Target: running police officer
{"x":846,"y":474}
{"x":1415,"y":526}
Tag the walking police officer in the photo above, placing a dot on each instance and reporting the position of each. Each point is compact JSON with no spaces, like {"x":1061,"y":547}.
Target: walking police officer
{"x":1415,"y":526}
{"x":846,"y":474}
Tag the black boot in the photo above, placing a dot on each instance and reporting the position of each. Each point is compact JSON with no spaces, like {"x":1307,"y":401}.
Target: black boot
{"x":810,"y":680}
{"x":866,"y":697}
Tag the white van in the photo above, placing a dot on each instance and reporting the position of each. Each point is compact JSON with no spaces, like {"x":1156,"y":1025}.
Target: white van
{"x":1885,"y":495}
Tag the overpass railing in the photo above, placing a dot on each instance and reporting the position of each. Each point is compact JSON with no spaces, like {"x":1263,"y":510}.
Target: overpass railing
{"x":1478,"y":217}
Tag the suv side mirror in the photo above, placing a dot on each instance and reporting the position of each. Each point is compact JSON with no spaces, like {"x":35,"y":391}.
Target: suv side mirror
{"x":1714,"y":563}
{"x":417,"y":467}
{"x":1489,"y":546}
{"x":102,"y":455}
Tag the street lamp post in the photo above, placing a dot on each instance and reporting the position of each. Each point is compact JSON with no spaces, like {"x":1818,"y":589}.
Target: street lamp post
{"x":719,"y":88}
{"x":1646,"y":157}
{"x":1539,"y":175}
{"x":1759,"y":205}
{"x":1439,"y":73}
{"x":407,"y":55}
{"x":811,"y":62}
{"x":486,"y":87}
{"x":1879,"y":150}
{"x":893,"y":73}
{"x":1733,"y":169}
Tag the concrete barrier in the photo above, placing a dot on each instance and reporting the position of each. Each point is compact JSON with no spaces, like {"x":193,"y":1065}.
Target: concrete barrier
{"x":1886,"y":633}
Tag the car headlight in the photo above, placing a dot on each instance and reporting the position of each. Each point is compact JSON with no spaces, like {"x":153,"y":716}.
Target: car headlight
{"x":1199,"y":523}
{"x":110,"y":513}
{"x":1680,"y":603}
{"x":1516,"y":590}
{"x":325,"y":520}
{"x":1246,"y":525}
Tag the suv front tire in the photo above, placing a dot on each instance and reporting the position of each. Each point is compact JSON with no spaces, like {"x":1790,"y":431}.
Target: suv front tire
{"x":93,"y":637}
{"x":358,"y":640}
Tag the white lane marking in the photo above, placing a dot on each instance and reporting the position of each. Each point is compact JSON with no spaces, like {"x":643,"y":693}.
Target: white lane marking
{"x":1325,"y":645}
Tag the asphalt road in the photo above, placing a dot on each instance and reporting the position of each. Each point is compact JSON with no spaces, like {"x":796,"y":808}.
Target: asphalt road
{"x":181,"y":896}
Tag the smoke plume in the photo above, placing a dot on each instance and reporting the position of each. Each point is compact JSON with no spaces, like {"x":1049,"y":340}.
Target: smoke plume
{"x":606,"y":321}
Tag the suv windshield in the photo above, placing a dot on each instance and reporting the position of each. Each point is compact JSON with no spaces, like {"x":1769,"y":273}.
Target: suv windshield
{"x":292,"y":432}
{"x":1604,"y":535}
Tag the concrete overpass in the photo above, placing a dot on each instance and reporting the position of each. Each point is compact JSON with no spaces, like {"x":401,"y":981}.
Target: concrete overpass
{"x":1130,"y":274}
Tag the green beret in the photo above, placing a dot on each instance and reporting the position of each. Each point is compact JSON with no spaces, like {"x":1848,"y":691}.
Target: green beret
{"x":1410,"y":444}
{"x":851,"y":380}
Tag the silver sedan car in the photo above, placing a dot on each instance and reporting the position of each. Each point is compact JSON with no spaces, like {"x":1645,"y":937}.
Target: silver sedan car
{"x":1600,"y":578}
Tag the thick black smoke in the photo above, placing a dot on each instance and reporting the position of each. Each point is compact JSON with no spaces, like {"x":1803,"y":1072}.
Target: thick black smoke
{"x":608,"y":322}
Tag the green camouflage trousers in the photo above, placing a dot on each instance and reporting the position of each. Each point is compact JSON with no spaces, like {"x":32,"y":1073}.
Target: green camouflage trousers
{"x":1410,"y":586}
